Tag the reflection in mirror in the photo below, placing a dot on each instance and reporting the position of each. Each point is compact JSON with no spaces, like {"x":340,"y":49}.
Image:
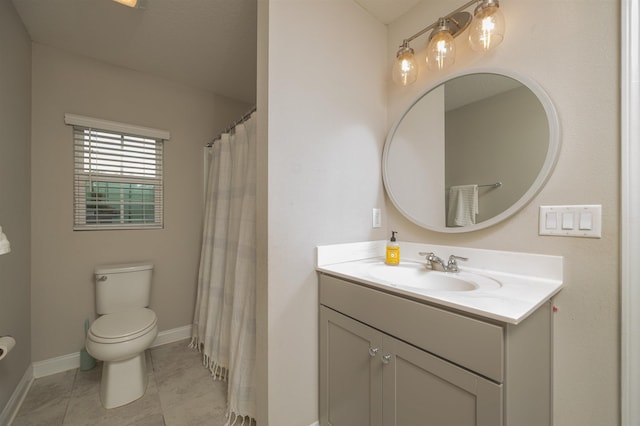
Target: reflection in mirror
{"x":471,"y":151}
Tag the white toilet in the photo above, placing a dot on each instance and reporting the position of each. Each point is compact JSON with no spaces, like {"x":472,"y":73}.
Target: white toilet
{"x":125,"y":329}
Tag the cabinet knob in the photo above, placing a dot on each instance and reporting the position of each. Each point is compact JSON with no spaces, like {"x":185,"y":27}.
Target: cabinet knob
{"x":386,"y":359}
{"x":373,"y":351}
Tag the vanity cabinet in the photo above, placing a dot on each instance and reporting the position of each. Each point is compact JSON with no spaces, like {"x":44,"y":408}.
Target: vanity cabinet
{"x":376,"y":379}
{"x":387,"y":360}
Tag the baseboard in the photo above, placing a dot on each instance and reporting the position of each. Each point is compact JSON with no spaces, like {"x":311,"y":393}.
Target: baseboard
{"x":173,"y":335}
{"x":71,"y":361}
{"x":13,"y":405}
{"x":56,"y":365}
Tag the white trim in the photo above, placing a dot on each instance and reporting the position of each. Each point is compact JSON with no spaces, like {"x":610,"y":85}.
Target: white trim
{"x":173,"y":335}
{"x":131,"y":129}
{"x":56,"y":365}
{"x":630,"y":212}
{"x":10,"y":410}
{"x":70,"y":361}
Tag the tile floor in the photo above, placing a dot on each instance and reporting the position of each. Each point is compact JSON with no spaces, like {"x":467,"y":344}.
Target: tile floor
{"x":181,"y":392}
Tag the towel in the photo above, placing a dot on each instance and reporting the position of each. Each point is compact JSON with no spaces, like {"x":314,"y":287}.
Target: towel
{"x":5,"y":247}
{"x":463,"y":205}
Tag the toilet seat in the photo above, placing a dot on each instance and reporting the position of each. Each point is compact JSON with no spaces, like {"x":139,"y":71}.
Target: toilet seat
{"x":122,"y":326}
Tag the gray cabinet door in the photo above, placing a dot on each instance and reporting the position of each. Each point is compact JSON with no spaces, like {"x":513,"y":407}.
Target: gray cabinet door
{"x":421,"y":389}
{"x":350,"y":372}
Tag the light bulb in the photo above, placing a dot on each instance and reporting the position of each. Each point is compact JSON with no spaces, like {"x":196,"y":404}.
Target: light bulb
{"x":405,"y":68}
{"x":487,"y":27}
{"x":441,"y":50}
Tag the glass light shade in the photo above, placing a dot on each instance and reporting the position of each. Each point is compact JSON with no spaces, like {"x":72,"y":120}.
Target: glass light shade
{"x":487,"y":28}
{"x":405,"y":68}
{"x":441,"y":50}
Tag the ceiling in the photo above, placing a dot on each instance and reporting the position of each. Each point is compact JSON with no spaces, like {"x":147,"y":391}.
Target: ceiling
{"x":387,"y":11}
{"x":207,"y":44}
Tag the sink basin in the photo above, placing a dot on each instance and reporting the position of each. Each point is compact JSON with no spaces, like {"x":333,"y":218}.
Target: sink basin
{"x":416,"y":277}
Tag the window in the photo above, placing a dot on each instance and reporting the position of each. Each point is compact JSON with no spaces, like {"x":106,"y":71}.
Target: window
{"x":117,"y":177}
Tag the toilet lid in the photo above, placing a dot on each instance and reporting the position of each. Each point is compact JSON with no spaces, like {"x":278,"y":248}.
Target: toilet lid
{"x":124,"y":324}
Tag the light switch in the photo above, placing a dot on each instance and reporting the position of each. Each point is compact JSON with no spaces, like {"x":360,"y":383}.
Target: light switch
{"x":586,"y":219}
{"x":376,"y":218}
{"x":571,"y":221}
{"x":551,"y":220}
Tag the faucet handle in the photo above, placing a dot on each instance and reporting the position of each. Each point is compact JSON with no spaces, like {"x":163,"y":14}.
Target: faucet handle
{"x":452,"y":264}
{"x":433,"y":261}
{"x":431,"y":256}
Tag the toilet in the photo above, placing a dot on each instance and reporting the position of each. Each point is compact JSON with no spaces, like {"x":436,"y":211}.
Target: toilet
{"x":124,"y":330}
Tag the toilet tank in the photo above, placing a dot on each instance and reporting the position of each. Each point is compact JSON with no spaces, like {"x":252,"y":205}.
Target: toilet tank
{"x":122,"y":287}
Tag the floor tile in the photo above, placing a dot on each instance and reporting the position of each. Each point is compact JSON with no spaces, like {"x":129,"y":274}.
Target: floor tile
{"x":85,"y":407}
{"x":47,"y":400}
{"x":180,"y":392}
{"x":201,"y":410}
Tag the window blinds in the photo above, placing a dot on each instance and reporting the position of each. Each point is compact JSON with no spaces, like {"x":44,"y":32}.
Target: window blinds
{"x":117,"y":179}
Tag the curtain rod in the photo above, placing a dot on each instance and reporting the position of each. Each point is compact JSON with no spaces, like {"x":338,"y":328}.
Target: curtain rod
{"x":242,"y":119}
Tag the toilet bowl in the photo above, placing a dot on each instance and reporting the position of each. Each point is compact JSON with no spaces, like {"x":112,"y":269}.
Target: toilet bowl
{"x":119,"y":339}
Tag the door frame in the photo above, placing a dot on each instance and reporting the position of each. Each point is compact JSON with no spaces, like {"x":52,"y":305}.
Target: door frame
{"x":630,"y":211}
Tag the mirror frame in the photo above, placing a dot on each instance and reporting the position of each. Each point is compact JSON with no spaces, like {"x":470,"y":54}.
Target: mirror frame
{"x":541,"y":179}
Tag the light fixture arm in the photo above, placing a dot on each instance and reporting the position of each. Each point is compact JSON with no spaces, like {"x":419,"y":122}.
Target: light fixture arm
{"x":406,"y":41}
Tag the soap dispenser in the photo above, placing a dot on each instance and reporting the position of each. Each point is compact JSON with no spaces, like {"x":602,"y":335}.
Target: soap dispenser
{"x":393,"y":250}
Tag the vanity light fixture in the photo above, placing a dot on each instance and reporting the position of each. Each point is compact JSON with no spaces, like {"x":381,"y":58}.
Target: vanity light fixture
{"x":486,"y":32}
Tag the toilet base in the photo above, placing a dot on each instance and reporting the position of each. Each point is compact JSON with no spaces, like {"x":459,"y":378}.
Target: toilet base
{"x":123,"y":381}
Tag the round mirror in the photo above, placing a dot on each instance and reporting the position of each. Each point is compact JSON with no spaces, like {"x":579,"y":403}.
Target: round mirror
{"x":471,"y":151}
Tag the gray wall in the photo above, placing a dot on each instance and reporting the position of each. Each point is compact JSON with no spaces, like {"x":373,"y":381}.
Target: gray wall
{"x":46,"y":288}
{"x":15,"y":117}
{"x":63,"y":260}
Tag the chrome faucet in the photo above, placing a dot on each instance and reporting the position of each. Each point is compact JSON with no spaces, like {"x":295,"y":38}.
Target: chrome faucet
{"x":452,"y":264}
{"x":437,"y":264}
{"x":434,"y":262}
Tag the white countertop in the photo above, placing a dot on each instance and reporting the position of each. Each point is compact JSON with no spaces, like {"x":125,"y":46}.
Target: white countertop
{"x":527,"y":280}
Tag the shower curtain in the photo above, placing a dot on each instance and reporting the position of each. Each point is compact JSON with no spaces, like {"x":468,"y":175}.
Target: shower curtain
{"x":224,"y":324}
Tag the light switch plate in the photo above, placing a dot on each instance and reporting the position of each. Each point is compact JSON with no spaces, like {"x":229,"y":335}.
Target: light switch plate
{"x":571,"y":221}
{"x":376,"y":218}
